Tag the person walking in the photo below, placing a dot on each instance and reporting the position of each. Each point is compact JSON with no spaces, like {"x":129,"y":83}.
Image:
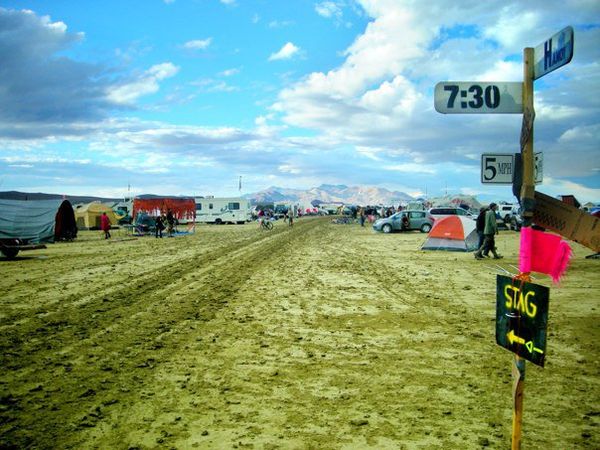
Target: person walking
{"x":489,"y":232}
{"x":480,"y":225}
{"x":105,"y":225}
{"x":160,"y":226}
{"x":362,"y":217}
{"x":170,"y":223}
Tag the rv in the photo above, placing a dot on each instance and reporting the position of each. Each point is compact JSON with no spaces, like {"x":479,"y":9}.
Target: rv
{"x":223,"y":210}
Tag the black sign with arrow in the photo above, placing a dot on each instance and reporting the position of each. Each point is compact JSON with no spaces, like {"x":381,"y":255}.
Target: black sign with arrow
{"x":522,"y":318}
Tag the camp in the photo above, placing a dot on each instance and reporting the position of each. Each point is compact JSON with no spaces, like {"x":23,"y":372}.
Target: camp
{"x":23,"y":223}
{"x":452,"y":233}
{"x":88,"y":215}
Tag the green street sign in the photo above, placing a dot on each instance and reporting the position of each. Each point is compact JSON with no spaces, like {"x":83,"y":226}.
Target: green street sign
{"x":522,"y":318}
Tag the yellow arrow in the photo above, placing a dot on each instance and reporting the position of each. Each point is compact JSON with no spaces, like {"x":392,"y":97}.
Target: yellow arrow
{"x":512,"y":338}
{"x":531,"y":348}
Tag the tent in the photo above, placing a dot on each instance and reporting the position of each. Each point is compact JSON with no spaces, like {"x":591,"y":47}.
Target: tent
{"x":36,"y":221}
{"x":88,"y":215}
{"x":453,"y":233}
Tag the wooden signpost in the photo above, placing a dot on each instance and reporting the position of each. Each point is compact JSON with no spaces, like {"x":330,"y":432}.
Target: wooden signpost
{"x":520,"y":322}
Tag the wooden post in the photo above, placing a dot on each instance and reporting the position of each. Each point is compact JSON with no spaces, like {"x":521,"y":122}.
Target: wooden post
{"x":518,"y":372}
{"x":527,"y":206}
{"x":528,"y":186}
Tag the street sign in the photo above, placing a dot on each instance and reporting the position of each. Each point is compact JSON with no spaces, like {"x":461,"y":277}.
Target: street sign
{"x":473,"y":97}
{"x":497,"y":168}
{"x":553,"y":53}
{"x":522,"y":318}
{"x":538,"y":167}
{"x":566,"y":220}
{"x":500,"y":168}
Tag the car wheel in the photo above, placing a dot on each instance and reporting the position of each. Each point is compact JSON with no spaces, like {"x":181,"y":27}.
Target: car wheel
{"x":425,"y":228}
{"x":387,"y":228}
{"x":10,"y":253}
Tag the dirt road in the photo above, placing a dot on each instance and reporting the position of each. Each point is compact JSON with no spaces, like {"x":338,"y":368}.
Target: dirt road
{"x":321,"y":336}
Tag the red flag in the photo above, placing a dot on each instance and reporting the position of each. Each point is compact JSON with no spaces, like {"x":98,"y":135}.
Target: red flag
{"x":544,"y":253}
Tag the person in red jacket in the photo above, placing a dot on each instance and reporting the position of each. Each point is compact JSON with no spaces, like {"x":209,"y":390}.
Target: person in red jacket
{"x":105,"y":225}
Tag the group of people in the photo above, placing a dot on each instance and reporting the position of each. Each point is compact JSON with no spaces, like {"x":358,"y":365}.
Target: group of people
{"x":487,"y":229}
{"x":267,"y":214}
{"x":160,"y":224}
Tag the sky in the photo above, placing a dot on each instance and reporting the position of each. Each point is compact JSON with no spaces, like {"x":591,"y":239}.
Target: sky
{"x":184,"y":97}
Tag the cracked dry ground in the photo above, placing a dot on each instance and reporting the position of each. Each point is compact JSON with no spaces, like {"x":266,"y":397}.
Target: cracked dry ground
{"x":318,"y":337}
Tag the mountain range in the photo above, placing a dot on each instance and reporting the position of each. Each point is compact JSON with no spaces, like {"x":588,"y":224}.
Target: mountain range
{"x":329,"y":193}
{"x":326,"y":193}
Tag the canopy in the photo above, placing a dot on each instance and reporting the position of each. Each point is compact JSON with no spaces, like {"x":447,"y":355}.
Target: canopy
{"x":182,"y":208}
{"x":36,"y":221}
{"x":453,"y":233}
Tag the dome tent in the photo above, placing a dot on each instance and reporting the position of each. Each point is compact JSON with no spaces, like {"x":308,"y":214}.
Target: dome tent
{"x":88,"y":215}
{"x":37,"y":221}
{"x":452,"y":233}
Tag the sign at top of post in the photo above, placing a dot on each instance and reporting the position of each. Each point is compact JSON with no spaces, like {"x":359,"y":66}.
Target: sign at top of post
{"x":553,"y":53}
{"x":475,"y":97}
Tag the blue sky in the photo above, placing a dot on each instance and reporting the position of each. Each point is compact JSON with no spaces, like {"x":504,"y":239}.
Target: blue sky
{"x":182,"y":97}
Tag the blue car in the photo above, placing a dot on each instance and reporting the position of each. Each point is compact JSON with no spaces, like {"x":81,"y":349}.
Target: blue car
{"x":405,"y":221}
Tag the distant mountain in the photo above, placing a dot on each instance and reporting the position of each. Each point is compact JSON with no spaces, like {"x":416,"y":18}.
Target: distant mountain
{"x":328,"y":193}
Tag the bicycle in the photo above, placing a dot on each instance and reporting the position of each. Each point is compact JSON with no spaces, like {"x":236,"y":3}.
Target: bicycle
{"x":266,"y":224}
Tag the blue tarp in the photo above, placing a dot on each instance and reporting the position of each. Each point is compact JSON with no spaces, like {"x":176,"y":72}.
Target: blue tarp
{"x":33,"y":221}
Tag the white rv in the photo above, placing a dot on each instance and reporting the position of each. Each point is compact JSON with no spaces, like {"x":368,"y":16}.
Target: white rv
{"x":223,"y":210}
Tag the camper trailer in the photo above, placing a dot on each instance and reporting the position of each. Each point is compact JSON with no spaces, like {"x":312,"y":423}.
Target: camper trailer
{"x":223,"y":210}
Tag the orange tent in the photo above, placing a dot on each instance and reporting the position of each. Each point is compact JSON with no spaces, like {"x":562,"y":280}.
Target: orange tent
{"x":453,"y":233}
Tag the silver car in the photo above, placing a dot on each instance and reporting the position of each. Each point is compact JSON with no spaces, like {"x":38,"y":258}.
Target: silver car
{"x":414,"y":220}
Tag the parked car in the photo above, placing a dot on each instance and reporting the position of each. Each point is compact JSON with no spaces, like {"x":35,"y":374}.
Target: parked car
{"x":445,"y":211}
{"x":506,"y":211}
{"x":415,"y":220}
{"x":516,"y":221}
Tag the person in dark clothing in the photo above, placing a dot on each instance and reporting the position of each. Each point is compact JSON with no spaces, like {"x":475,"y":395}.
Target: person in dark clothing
{"x":489,"y":232}
{"x":405,"y":222}
{"x":160,"y":226}
{"x":170,"y":222}
{"x":480,"y":226}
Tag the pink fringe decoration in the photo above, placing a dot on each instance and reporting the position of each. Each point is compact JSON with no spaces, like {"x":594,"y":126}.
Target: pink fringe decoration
{"x":544,"y":253}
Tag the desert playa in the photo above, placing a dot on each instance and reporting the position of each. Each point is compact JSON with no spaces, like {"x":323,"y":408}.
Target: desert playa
{"x":312,"y":337}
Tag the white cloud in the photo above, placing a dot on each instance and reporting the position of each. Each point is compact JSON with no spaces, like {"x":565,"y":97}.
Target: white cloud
{"x":146,"y":84}
{"x":229,"y":72}
{"x":286,"y":52}
{"x":280,"y":23}
{"x":554,"y":187}
{"x":579,"y":134}
{"x":411,"y":168}
{"x":329,"y":9}
{"x":198,"y":44}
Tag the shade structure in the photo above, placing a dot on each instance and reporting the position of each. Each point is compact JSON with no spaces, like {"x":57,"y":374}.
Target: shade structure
{"x":452,"y":233}
{"x":37,"y":221}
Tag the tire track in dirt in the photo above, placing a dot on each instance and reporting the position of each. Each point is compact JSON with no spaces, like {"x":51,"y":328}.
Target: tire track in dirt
{"x":123,"y":328}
